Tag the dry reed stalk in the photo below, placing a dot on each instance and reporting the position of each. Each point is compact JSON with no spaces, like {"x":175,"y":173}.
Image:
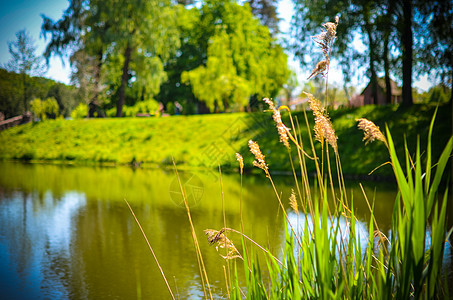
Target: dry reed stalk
{"x":213,"y":234}
{"x":241,"y":162}
{"x":324,"y":40}
{"x":151,"y":249}
{"x":201,"y":265}
{"x":371,"y":131}
{"x":260,"y":163}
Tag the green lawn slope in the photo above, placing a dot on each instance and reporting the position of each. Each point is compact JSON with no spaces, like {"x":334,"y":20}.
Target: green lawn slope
{"x":205,"y":141}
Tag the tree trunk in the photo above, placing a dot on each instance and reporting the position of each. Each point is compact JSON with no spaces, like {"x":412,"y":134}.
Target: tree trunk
{"x":406,"y":41}
{"x":387,"y":30}
{"x":451,"y":90}
{"x":388,"y":87}
{"x":94,"y":105}
{"x":373,"y":76}
{"x":124,"y":80}
{"x":24,"y":82}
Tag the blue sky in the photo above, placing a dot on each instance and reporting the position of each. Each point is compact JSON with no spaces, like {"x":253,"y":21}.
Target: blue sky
{"x":16,"y":15}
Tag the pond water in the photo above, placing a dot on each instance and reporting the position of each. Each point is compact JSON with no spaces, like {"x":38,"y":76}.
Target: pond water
{"x":66,"y":232}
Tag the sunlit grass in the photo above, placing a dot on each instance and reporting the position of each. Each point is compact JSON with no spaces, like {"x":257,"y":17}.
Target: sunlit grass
{"x":209,"y":140}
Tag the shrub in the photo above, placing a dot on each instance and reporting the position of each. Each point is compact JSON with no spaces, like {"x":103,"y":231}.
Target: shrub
{"x":47,"y":109}
{"x":80,"y":112}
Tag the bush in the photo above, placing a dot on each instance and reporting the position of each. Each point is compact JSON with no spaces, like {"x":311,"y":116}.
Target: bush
{"x":47,"y":109}
{"x":142,"y":107}
{"x":80,"y":112}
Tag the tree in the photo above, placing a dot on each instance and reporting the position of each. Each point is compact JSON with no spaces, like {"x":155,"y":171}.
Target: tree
{"x":70,"y":37}
{"x":115,"y":44}
{"x":11,"y":103}
{"x":290,"y":85}
{"x":24,"y":61}
{"x":433,"y":39}
{"x":266,"y":11}
{"x":144,"y":34}
{"x":241,"y":61}
{"x":407,"y":43}
{"x":391,"y":22}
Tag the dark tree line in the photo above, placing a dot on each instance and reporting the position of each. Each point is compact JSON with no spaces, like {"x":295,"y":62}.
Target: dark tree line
{"x":403,"y":38}
{"x":11,"y":93}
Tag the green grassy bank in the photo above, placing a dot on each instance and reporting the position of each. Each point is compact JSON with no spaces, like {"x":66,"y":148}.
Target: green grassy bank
{"x":209,"y":140}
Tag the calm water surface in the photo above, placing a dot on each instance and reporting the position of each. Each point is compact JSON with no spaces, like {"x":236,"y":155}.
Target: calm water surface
{"x":66,"y":232}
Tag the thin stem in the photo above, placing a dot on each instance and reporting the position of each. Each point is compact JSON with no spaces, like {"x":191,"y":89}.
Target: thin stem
{"x":151,"y":249}
{"x":224,"y":225}
{"x":255,"y":243}
{"x":268,"y":175}
{"x":201,"y":266}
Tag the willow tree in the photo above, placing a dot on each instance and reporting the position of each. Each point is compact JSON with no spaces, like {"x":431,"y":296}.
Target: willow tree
{"x":242,"y":60}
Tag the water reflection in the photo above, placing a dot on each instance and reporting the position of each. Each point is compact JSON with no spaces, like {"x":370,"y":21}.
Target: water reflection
{"x":31,"y":221}
{"x":65,"y":232}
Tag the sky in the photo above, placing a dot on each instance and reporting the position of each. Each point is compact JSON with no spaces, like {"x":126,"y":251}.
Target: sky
{"x":16,"y":15}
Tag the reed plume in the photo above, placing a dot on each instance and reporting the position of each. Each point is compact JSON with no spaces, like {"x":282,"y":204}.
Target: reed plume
{"x":241,"y":161}
{"x":371,"y":131}
{"x":323,"y":126}
{"x":218,"y":237}
{"x":259,"y":162}
{"x":282,"y":129}
{"x":325,"y":40}
{"x":293,"y":202}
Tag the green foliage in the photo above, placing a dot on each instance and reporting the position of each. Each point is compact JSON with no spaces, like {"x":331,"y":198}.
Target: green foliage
{"x":11,"y":93}
{"x":24,"y":59}
{"x":242,"y":59}
{"x":436,"y":94}
{"x":143,"y":107}
{"x":47,"y":109}
{"x":218,"y":84}
{"x":80,"y":112}
{"x":325,"y":258}
{"x":135,"y":137}
{"x":150,"y":107}
{"x":120,"y":47}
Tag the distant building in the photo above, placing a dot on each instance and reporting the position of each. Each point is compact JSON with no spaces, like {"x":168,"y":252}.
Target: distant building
{"x":366,"y":97}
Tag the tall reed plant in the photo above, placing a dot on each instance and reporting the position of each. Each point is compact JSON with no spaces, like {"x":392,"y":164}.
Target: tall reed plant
{"x":327,"y":254}
{"x":323,"y":255}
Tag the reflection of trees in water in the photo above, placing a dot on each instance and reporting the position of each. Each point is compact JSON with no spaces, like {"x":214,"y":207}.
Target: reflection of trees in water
{"x":90,"y":246}
{"x":37,"y":231}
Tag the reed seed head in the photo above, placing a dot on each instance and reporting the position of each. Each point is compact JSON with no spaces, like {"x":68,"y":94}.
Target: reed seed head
{"x":223,"y":242}
{"x":371,"y":131}
{"x":323,"y":126}
{"x":240,"y":160}
{"x":293,"y":202}
{"x":325,"y":40}
{"x":282,"y":129}
{"x":270,"y":103}
{"x":259,"y":162}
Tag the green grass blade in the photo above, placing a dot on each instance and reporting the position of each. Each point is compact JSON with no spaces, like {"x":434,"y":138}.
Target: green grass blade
{"x":429,"y":153}
{"x":441,"y":164}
